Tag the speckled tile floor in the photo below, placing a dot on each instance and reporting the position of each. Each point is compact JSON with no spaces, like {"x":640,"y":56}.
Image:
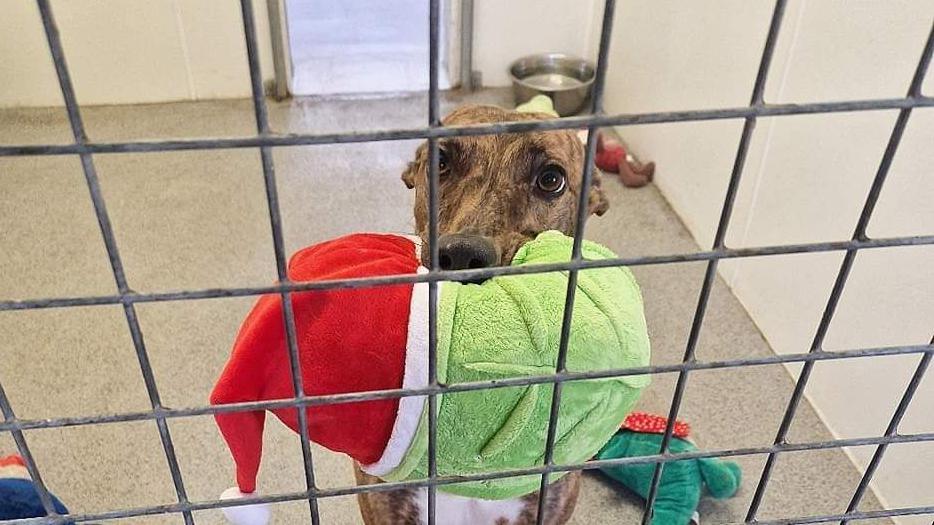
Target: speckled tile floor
{"x":198,"y":219}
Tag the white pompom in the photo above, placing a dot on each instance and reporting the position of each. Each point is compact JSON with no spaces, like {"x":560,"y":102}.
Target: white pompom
{"x":244,"y":514}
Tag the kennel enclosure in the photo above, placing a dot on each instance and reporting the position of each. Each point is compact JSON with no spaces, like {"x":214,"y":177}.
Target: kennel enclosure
{"x":265,"y":139}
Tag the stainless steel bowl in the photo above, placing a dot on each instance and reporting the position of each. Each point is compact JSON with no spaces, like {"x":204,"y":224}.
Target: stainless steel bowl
{"x":566,"y":79}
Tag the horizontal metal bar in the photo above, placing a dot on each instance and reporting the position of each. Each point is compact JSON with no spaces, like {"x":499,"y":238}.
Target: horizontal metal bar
{"x":464,"y":275}
{"x":348,"y":137}
{"x":865,"y":515}
{"x":448,"y":480}
{"x":31,"y":424}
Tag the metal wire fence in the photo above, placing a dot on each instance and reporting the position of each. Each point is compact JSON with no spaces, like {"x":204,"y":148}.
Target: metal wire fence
{"x":265,"y":139}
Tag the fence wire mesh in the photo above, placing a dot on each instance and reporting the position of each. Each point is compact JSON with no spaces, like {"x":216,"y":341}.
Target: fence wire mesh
{"x":265,"y":139}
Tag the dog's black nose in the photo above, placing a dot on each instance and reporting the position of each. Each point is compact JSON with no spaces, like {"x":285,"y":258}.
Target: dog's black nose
{"x":461,"y":252}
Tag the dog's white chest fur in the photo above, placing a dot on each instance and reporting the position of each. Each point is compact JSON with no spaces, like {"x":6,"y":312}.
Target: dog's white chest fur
{"x":458,"y":510}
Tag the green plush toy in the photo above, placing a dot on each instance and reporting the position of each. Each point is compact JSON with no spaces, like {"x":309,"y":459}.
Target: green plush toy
{"x":510,"y":326}
{"x":682,"y":482}
{"x":538,"y":104}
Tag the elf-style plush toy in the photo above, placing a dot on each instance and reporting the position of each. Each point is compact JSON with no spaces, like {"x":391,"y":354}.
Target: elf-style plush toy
{"x":612,"y":157}
{"x":18,"y":496}
{"x":682,"y":482}
{"x":376,"y":338}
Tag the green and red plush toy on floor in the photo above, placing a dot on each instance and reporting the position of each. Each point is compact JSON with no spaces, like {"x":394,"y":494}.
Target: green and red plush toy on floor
{"x":682,"y":482}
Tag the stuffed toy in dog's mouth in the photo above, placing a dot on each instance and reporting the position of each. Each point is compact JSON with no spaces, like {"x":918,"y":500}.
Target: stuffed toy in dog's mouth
{"x":376,"y":338}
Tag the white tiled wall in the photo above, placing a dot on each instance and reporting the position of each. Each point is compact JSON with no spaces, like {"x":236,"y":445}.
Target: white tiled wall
{"x":805,"y":180}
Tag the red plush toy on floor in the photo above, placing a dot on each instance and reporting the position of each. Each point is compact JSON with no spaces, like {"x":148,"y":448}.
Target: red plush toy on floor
{"x":612,"y":158}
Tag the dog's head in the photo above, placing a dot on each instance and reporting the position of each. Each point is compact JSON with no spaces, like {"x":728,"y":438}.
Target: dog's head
{"x":499,"y":191}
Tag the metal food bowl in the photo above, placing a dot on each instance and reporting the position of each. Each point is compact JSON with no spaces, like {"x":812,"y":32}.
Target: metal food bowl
{"x":567,"y":80}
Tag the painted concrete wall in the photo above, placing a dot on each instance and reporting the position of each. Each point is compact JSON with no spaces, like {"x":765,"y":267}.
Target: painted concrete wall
{"x":805,"y":180}
{"x":505,"y":31}
{"x":129,"y":51}
{"x":140,"y":51}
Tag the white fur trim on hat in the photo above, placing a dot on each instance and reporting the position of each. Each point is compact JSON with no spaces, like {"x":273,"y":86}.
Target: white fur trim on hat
{"x":257,"y":514}
{"x":417,"y":241}
{"x":14,"y":471}
{"x":415,"y":376}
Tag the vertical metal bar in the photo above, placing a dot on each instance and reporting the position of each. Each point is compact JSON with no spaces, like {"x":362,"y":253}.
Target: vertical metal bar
{"x":279,"y":37}
{"x":718,"y":243}
{"x":433,"y":159}
{"x":859,"y":233}
{"x":434,"y":120}
{"x":23,"y":448}
{"x":890,"y":431}
{"x":467,"y":45}
{"x":275,"y":221}
{"x":103,"y":220}
{"x":434,"y":35}
{"x":583,"y":212}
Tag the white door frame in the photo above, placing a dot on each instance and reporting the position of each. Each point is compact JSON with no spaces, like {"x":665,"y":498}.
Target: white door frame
{"x":281,"y":52}
{"x":456,"y":44}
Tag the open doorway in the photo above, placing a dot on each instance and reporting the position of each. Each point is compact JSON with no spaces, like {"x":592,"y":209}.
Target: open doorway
{"x":366,"y":46}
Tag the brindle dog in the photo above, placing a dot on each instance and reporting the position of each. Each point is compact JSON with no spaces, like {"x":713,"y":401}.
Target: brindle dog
{"x":496,"y":193}
{"x":499,"y":191}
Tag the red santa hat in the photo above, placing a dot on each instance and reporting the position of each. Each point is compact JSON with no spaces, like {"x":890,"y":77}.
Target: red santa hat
{"x":338,"y":354}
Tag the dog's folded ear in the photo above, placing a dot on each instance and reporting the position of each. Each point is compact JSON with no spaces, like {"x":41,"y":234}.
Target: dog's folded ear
{"x":597,"y":201}
{"x":415,"y":167}
{"x":408,"y":175}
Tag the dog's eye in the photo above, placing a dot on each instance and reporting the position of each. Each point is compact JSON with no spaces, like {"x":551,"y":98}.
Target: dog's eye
{"x":551,"y":180}
{"x":443,"y":164}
